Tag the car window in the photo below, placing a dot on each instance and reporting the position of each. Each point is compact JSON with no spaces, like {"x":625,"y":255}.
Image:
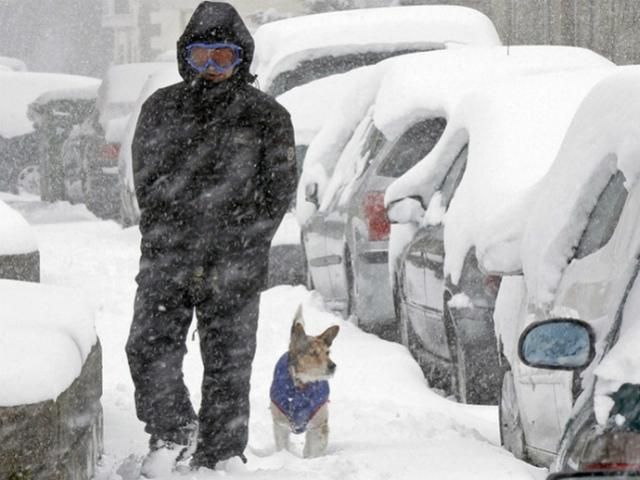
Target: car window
{"x":413,"y":146}
{"x":604,"y":217}
{"x":321,"y":67}
{"x":453,"y":177}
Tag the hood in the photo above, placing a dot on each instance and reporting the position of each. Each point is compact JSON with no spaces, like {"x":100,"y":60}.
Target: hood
{"x":216,"y":22}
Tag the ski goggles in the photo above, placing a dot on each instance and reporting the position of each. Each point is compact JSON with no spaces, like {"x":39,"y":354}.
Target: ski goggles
{"x":221,"y":56}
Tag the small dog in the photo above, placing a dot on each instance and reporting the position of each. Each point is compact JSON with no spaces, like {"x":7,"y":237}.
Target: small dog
{"x":300,"y":390}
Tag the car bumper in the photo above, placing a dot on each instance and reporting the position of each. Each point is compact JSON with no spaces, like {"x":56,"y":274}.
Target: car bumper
{"x":375,"y":300}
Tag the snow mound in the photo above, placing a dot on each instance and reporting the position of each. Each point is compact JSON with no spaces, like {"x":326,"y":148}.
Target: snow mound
{"x":46,"y":334}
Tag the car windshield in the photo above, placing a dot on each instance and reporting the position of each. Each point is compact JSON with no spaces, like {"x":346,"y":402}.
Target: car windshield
{"x":320,"y":67}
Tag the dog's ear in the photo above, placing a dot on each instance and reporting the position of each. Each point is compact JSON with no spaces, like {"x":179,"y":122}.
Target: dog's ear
{"x":329,"y":335}
{"x":298,"y":318}
{"x":298,"y":338}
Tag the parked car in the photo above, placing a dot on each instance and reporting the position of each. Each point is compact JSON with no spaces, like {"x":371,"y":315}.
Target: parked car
{"x":19,"y":254}
{"x":292,"y":52}
{"x":297,"y":50}
{"x":54,"y":115}
{"x":494,"y":146}
{"x":578,"y":253}
{"x":20,"y":142}
{"x":90,"y":153}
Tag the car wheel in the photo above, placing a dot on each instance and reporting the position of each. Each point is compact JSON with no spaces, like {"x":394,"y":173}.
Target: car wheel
{"x":28,"y":180}
{"x":511,"y":432}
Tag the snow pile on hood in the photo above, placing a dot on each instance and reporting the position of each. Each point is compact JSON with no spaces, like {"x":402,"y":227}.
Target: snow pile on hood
{"x":281,"y":45}
{"x":311,"y":104}
{"x":46,"y":334}
{"x":603,"y":137}
{"x":19,"y":89}
{"x":16,"y":236}
{"x":515,"y":130}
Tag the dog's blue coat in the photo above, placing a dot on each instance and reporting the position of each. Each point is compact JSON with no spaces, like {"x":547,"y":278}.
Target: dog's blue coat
{"x":297,"y":404}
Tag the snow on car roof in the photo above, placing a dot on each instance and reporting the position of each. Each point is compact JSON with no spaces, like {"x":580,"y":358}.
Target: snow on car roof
{"x":16,"y":236}
{"x":84,"y":92}
{"x":46,"y":334}
{"x":19,"y":89}
{"x":282,"y":44}
{"x":434,"y":83}
{"x":14,"y":64}
{"x":515,"y":129}
{"x":312,"y":103}
{"x":604,"y":136}
{"x":409,"y":87}
{"x":122,"y":83}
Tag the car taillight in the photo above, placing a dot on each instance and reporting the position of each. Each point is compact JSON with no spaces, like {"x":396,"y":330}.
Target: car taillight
{"x":110,"y":151}
{"x":376,"y":215}
{"x":612,"y":451}
{"x":492,"y":284}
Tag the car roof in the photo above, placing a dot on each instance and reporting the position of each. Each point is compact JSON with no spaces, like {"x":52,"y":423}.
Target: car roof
{"x":282,"y":44}
{"x":19,"y":89}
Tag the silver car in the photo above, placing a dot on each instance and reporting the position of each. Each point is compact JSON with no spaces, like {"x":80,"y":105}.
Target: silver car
{"x":579,"y":249}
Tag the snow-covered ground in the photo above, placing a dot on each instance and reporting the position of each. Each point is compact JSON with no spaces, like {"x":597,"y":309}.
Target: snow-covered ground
{"x":385,"y":421}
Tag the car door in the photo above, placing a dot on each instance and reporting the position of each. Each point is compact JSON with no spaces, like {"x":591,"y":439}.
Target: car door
{"x":589,"y":290}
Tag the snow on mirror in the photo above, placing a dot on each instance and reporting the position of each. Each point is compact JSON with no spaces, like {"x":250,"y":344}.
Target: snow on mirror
{"x":563,"y":344}
{"x":406,"y":210}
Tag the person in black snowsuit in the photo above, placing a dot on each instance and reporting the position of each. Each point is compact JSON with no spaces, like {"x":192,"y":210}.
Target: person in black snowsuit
{"x":214,"y":172}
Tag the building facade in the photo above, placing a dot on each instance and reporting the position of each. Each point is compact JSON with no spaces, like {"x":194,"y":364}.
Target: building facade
{"x":144,"y":30}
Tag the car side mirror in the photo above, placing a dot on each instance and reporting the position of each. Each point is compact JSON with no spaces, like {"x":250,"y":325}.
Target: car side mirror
{"x":406,"y":210}
{"x":557,"y":344}
{"x":311,"y":193}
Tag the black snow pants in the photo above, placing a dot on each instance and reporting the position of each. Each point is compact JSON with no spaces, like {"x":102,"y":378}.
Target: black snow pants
{"x":225,"y":298}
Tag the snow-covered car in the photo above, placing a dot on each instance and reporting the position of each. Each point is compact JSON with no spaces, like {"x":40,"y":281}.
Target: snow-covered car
{"x":294,"y":51}
{"x":19,"y":140}
{"x":91,"y":151}
{"x":19,"y":254}
{"x":129,"y":211}
{"x":310,"y":106}
{"x":55,"y":114}
{"x":501,"y":135}
{"x":577,"y":248}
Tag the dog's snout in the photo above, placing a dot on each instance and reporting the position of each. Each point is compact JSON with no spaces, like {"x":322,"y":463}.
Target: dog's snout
{"x":331,"y":367}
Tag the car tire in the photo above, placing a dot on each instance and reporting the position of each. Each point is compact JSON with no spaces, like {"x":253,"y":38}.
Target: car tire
{"x":512,"y":435}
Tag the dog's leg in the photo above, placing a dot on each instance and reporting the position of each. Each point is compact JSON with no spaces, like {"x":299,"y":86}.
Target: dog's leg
{"x":281,"y":430}
{"x":317,"y":436}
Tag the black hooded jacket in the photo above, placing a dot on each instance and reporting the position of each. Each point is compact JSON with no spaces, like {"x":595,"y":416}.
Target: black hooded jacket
{"x":213,"y":163}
